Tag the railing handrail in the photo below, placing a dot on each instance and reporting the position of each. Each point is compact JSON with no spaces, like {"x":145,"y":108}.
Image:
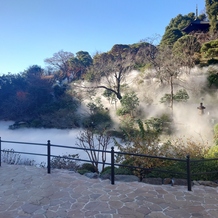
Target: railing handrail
{"x":113,"y":164}
{"x":116,"y":152}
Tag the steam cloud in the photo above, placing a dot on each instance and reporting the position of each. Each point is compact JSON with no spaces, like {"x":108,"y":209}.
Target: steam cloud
{"x":188,"y":122}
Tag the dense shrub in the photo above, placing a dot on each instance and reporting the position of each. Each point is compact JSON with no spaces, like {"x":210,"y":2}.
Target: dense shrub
{"x":117,"y":171}
{"x":86,"y":168}
{"x":65,"y":162}
{"x":99,"y":119}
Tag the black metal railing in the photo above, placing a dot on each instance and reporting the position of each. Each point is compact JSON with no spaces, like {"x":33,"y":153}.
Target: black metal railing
{"x":187,"y":162}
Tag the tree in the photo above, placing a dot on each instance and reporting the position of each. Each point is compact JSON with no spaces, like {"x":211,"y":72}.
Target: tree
{"x":215,"y":129}
{"x":142,"y":139}
{"x":13,"y":96}
{"x":38,"y":90}
{"x":171,"y":36}
{"x":181,"y":21}
{"x":129,"y":104}
{"x":212,"y":12}
{"x":34,"y":71}
{"x":110,"y":97}
{"x":180,"y":96}
{"x":210,"y":49}
{"x":99,"y":117}
{"x":80,"y":63}
{"x":174,"y":30}
{"x":110,"y":69}
{"x":113,"y":67}
{"x":167,"y":67}
{"x":90,"y":139}
{"x":61,"y":63}
{"x":85,"y":58}
{"x":212,"y":77}
{"x":186,"y":49}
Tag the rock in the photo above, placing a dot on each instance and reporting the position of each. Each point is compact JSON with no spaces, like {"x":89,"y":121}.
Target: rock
{"x":91,"y":175}
{"x":179,"y":182}
{"x":167,"y":181}
{"x":105,"y":176}
{"x":196,"y":183}
{"x":126,"y":178}
{"x":154,"y":181}
{"x":208,"y":183}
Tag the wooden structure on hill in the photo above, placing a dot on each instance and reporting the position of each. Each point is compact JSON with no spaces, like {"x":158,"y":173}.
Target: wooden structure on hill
{"x":197,"y":26}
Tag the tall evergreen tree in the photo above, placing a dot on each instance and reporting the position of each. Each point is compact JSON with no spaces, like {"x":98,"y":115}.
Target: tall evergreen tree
{"x":212,"y":12}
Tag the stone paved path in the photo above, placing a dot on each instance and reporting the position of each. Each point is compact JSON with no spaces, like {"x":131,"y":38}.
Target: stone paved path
{"x":30,"y":192}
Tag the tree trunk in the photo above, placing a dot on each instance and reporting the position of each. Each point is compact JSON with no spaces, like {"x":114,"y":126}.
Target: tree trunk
{"x":171,"y":92}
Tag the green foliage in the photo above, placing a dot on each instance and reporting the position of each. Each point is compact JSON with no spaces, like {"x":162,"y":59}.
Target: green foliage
{"x":99,"y":117}
{"x":171,"y":36}
{"x":79,"y":65}
{"x":180,"y":96}
{"x":27,"y":93}
{"x":111,"y":97}
{"x":87,"y":167}
{"x":83,"y":171}
{"x":179,"y":148}
{"x":212,"y":78}
{"x":90,"y":76}
{"x":155,"y":125}
{"x":171,"y":170}
{"x":85,"y":58}
{"x":215,"y":130}
{"x":186,"y":48}
{"x":174,"y":30}
{"x":199,"y":170}
{"x":202,"y":17}
{"x":107,"y":93}
{"x":34,"y":71}
{"x":60,"y":114}
{"x":127,"y":123}
{"x":117,"y":171}
{"x":59,"y":90}
{"x":213,"y":151}
{"x":129,"y":103}
{"x":98,"y":120}
{"x":181,"y":21}
{"x":95,"y":106}
{"x":212,"y":12}
{"x":141,"y":140}
{"x":210,"y":49}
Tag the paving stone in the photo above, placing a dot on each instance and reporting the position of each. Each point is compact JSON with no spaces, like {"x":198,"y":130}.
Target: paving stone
{"x":27,"y":191}
{"x":30,"y":208}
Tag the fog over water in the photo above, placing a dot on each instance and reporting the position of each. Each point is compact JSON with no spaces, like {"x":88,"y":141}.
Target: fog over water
{"x":56,"y":136}
{"x":187,"y":121}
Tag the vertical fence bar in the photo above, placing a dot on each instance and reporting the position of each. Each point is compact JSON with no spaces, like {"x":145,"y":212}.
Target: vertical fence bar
{"x":188,"y":173}
{"x":49,"y":156}
{"x":112,"y":165}
{"x":0,"y":151}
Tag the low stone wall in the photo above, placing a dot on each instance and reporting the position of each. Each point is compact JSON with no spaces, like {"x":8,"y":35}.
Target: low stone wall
{"x":152,"y":181}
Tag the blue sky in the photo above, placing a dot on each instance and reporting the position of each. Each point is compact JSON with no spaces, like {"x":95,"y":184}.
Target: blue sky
{"x":32,"y":30}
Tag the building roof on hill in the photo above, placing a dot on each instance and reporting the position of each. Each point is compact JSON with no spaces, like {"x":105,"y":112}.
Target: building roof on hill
{"x":197,"y":25}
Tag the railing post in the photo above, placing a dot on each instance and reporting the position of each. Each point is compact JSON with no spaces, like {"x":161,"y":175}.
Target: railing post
{"x":112,"y":165}
{"x":188,"y":173}
{"x":49,"y":156}
{"x":0,"y":151}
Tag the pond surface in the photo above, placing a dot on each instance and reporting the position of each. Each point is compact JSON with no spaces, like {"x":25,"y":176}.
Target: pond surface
{"x":32,"y":135}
